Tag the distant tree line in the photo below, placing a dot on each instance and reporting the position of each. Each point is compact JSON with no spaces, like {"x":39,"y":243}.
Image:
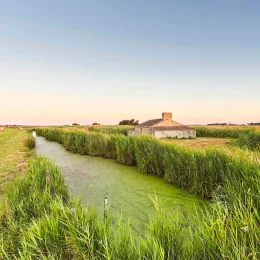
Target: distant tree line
{"x":221,"y":124}
{"x":218,"y":124}
{"x":254,"y":123}
{"x":129,"y":122}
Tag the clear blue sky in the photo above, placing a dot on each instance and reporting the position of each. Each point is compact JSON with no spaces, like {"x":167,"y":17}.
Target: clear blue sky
{"x":86,"y":61}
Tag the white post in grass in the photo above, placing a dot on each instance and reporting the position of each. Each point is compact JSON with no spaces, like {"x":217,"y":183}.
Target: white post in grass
{"x":34,"y":134}
{"x":105,"y":207}
{"x":73,"y":211}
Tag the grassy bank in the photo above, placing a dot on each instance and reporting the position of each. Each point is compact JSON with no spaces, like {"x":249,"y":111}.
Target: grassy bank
{"x":14,"y":151}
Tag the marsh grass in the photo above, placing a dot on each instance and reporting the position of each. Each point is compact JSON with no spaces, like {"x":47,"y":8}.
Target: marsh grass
{"x":229,"y":229}
{"x":201,"y":172}
{"x":125,"y":152}
{"x":110,"y":129}
{"x":37,"y":222}
{"x":250,"y":141}
{"x":221,"y":132}
{"x":248,"y":137}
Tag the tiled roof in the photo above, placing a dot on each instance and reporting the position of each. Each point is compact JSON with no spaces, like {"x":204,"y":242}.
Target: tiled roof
{"x":160,"y":123}
{"x":150,"y":122}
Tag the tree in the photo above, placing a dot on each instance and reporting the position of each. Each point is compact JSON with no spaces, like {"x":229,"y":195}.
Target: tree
{"x":129,"y":122}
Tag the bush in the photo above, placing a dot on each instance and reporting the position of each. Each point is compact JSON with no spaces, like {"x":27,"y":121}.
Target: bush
{"x":30,"y":142}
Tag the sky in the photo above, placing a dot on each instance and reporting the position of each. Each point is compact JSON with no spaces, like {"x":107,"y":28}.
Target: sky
{"x":64,"y":62}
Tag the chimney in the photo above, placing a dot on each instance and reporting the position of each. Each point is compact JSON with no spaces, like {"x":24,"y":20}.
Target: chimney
{"x":167,"y":116}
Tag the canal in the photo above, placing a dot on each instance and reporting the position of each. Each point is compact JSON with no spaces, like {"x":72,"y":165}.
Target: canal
{"x":131,"y":194}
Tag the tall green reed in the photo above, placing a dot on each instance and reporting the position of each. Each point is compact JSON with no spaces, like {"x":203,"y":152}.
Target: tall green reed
{"x":199,"y":172}
{"x":246,"y":138}
{"x":37,"y":222}
{"x":220,"y":132}
{"x":229,"y":229}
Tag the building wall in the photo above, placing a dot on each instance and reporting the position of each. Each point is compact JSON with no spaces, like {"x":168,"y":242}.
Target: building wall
{"x":145,"y":130}
{"x":189,"y":133}
{"x":140,"y":130}
{"x":137,"y":130}
{"x":130,"y":132}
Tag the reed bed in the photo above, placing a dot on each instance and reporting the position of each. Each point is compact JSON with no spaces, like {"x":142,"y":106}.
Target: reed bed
{"x":110,"y":129}
{"x":125,"y":152}
{"x":199,"y":172}
{"x":37,"y":221}
{"x":221,"y":132}
{"x":229,"y":229}
{"x":250,"y":140}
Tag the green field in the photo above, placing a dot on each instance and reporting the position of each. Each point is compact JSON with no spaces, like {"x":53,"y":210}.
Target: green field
{"x":13,"y":153}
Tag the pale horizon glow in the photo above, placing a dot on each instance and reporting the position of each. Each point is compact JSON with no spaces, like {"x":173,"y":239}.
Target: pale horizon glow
{"x":85,"y":62}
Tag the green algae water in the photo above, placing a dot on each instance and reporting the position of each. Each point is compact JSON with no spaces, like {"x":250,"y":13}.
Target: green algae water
{"x":131,"y":194}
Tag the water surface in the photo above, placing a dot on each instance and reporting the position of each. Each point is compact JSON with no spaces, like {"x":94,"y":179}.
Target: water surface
{"x":130,"y":192}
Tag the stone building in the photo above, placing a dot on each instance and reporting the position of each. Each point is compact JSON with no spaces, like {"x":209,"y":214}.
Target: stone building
{"x":163,"y":128}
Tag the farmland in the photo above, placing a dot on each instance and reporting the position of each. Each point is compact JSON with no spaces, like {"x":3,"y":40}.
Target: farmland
{"x":13,"y":153}
{"x":202,"y":142}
